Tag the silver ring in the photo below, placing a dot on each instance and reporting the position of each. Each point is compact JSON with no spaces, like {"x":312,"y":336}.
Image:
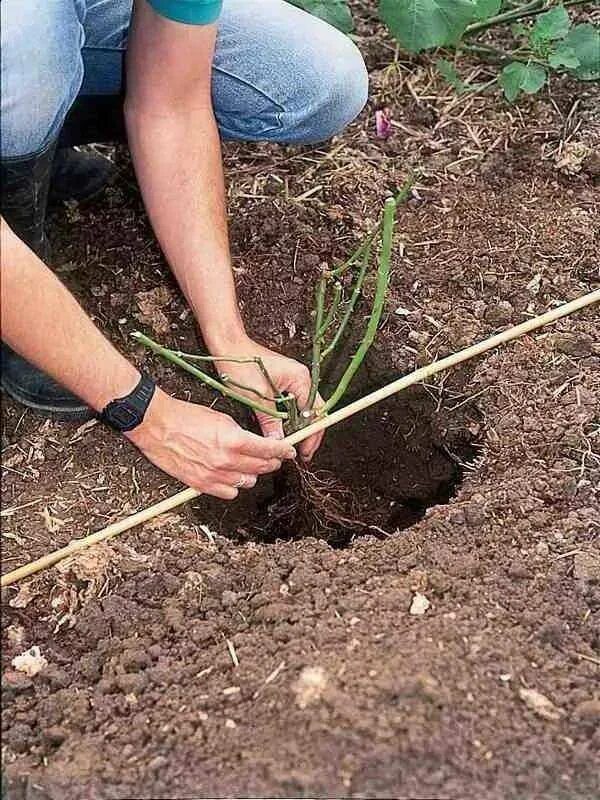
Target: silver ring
{"x":239,"y":484}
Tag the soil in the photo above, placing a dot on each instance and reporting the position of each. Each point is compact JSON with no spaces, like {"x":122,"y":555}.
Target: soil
{"x":210,"y":654}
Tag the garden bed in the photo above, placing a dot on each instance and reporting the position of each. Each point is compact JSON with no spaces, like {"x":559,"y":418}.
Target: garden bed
{"x":195,"y":658}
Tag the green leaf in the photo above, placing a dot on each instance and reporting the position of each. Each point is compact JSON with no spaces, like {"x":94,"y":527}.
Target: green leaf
{"x":484,"y":9}
{"x":563,"y":55}
{"x":517,"y":77}
{"x":422,"y":24}
{"x":335,"y":12}
{"x":554,"y":24}
{"x":448,"y":71}
{"x":585,"y":41}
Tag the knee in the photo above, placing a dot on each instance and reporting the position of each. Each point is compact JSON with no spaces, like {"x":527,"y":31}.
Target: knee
{"x":42,"y":71}
{"x":334,"y":94}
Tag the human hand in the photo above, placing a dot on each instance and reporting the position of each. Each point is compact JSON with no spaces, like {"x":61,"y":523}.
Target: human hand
{"x":287,"y":376}
{"x":204,"y":448}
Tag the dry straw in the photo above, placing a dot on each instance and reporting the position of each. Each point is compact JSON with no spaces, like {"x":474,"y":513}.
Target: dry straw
{"x":417,"y":376}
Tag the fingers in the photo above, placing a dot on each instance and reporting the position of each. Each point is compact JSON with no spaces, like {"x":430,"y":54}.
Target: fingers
{"x":271,"y":427}
{"x":265,"y":448}
{"x":257,"y":466}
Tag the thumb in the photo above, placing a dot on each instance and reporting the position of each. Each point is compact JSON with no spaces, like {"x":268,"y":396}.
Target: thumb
{"x":271,"y":427}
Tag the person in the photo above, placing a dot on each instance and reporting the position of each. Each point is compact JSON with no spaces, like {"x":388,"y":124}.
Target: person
{"x":194,"y":71}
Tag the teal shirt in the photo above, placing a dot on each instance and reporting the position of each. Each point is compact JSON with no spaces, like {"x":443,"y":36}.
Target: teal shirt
{"x":194,"y":12}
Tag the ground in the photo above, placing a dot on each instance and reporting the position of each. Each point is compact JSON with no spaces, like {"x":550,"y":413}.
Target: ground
{"x":194,"y":658}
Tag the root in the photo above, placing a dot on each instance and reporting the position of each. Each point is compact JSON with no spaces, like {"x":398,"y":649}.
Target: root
{"x":311,"y":504}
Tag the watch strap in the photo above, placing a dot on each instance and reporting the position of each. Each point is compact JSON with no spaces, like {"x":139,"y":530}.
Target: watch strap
{"x":126,"y":413}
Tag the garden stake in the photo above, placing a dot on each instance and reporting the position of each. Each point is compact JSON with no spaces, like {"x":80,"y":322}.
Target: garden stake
{"x":321,"y":424}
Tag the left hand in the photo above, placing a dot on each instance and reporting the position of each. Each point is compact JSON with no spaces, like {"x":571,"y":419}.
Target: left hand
{"x":287,"y":375}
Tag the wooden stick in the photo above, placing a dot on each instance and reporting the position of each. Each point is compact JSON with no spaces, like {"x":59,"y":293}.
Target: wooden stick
{"x":319,"y":425}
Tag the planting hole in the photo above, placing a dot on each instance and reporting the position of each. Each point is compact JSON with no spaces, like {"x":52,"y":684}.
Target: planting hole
{"x":376,"y":473}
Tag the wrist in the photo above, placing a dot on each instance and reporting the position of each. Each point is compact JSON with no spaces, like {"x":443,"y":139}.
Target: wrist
{"x":154,"y":418}
{"x":227,"y":341}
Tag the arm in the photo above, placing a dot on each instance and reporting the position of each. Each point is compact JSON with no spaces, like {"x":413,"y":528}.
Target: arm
{"x":44,"y":323}
{"x":176,"y":151}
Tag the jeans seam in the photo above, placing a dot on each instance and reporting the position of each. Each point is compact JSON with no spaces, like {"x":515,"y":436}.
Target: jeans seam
{"x":280,"y":109}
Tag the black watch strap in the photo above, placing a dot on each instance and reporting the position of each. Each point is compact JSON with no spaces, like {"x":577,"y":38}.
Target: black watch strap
{"x":126,"y":413}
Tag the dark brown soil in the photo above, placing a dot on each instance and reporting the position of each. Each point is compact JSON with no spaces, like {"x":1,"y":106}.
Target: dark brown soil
{"x":197,"y":657}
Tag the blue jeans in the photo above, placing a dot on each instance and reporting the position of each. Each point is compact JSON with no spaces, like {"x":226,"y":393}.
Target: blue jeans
{"x":279,"y":74}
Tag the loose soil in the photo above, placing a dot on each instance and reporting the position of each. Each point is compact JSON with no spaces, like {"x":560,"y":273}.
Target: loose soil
{"x":211,"y":655}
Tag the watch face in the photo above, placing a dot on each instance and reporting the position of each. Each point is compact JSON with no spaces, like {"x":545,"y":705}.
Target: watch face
{"x":123,"y":415}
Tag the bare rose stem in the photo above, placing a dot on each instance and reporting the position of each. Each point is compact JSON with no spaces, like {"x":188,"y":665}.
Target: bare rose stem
{"x":383,"y":279}
{"x":174,"y":357}
{"x":321,"y":424}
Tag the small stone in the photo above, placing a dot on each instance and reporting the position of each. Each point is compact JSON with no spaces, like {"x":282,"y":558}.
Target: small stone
{"x":540,"y":704}
{"x":310,"y":686}
{"x":542,"y":549}
{"x":229,"y":723}
{"x":420,"y":604}
{"x":30,"y":662}
{"x":157,"y":763}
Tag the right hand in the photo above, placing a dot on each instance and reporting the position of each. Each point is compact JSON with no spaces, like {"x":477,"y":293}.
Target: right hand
{"x":205,"y":449}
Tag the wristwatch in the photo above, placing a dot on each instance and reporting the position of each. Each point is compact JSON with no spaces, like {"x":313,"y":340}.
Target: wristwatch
{"x":126,"y":413}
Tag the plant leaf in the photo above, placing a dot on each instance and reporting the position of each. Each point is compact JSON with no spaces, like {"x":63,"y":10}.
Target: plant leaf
{"x":563,"y":55}
{"x":335,"y":12}
{"x":585,"y":41}
{"x":423,"y":24}
{"x":484,"y":9}
{"x":518,"y":77}
{"x":554,"y":24}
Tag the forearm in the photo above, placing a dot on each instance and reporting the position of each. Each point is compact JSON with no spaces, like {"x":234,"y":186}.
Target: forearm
{"x":176,"y":152}
{"x":177,"y":157}
{"x":44,"y":323}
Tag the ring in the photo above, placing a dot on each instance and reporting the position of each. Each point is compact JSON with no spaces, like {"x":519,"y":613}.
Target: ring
{"x":239,"y":484}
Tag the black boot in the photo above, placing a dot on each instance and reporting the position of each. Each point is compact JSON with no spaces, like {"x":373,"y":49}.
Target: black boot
{"x":24,"y":197}
{"x":78,"y":175}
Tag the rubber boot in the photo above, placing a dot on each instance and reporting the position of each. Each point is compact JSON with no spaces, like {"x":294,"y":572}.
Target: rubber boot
{"x":78,"y":175}
{"x":24,"y":197}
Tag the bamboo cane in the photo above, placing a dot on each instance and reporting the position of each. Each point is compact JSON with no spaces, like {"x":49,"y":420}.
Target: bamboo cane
{"x":319,"y":425}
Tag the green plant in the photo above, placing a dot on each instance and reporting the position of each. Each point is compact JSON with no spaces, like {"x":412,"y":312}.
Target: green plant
{"x":544,"y":40}
{"x":333,"y":311}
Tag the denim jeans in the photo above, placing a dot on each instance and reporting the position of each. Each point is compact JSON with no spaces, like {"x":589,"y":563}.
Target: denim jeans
{"x":279,"y":74}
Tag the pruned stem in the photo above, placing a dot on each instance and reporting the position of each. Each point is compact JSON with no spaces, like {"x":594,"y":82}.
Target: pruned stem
{"x":229,"y":382}
{"x":234,"y":360}
{"x":356,"y":290}
{"x":171,"y":355}
{"x":383,"y":276}
{"x":330,"y":316}
{"x":315,"y":370}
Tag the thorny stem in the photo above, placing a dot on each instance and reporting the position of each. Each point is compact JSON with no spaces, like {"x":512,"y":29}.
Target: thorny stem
{"x":172,"y":356}
{"x":315,"y":370}
{"x":383,"y":276}
{"x":530,"y":9}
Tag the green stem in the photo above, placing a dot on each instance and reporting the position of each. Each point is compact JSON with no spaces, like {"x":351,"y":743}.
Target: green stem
{"x":315,"y":371}
{"x":228,"y":382}
{"x":531,"y":9}
{"x":337,"y":296}
{"x":383,"y":277}
{"x":171,"y":356}
{"x":350,"y":306}
{"x":234,"y":360}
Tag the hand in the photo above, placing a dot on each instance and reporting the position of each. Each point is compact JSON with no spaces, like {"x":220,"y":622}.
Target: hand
{"x":287,"y":375}
{"x":205,"y":449}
